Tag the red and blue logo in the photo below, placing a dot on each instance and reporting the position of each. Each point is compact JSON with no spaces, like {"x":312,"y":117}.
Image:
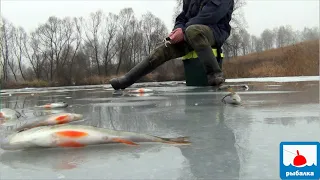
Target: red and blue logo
{"x":299,"y":160}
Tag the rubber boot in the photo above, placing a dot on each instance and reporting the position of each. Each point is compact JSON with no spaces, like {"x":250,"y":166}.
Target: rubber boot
{"x":212,"y":67}
{"x":220,"y":64}
{"x":140,"y":70}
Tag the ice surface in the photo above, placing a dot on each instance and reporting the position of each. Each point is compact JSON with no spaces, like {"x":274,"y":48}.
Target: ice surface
{"x":228,"y":142}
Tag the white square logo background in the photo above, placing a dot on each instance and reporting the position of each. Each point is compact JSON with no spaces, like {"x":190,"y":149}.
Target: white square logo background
{"x":308,"y":151}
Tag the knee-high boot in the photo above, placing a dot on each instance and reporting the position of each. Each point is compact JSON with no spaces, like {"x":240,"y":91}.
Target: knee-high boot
{"x":141,"y":69}
{"x":211,"y":65}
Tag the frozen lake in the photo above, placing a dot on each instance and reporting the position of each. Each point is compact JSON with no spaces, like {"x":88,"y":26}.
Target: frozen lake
{"x":228,"y":142}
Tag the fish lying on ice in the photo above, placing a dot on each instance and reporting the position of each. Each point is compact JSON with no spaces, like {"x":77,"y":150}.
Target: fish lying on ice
{"x":61,"y":118}
{"x":140,"y":94}
{"x":231,"y":98}
{"x":133,"y":92}
{"x":54,"y":105}
{"x":8,"y":114}
{"x":241,"y":86}
{"x":68,"y":136}
{"x":140,"y":90}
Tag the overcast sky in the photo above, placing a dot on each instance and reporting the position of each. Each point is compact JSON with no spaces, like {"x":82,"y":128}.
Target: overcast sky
{"x":259,"y":14}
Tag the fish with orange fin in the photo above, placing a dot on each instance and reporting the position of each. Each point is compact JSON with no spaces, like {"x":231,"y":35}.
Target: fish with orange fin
{"x":134,"y":92}
{"x":140,"y":90}
{"x":8,"y":114}
{"x":53,"y":105}
{"x":61,"y":118}
{"x":73,"y":136}
{"x":231,"y":98}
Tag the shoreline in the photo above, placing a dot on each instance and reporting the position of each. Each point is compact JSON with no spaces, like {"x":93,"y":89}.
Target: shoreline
{"x":275,"y":79}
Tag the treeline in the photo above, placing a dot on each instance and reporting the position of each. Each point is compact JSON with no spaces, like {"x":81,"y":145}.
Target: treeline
{"x":77,"y":51}
{"x":73,"y":50}
{"x":241,"y":42}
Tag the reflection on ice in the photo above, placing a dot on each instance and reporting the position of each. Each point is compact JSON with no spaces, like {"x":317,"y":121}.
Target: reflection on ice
{"x":224,"y":93}
{"x":276,"y":79}
{"x":112,"y":104}
{"x":117,"y":162}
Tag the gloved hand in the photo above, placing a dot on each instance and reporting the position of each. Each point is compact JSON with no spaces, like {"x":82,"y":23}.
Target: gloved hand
{"x":176,"y":36}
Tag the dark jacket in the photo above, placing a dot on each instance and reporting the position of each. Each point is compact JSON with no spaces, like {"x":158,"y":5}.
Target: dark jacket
{"x":214,"y":13}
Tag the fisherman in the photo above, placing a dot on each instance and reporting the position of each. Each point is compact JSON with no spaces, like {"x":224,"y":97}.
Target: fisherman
{"x":202,"y":25}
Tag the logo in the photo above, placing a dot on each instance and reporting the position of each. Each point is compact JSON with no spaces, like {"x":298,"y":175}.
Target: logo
{"x":299,"y":160}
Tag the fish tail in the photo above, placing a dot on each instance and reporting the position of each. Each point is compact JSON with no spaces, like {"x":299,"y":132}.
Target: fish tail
{"x":222,"y":100}
{"x":179,"y":140}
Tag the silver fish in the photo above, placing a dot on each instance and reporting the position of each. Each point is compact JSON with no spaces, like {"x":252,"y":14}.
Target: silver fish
{"x":231,"y":98}
{"x":9,"y":114}
{"x":140,"y":90}
{"x":54,"y":105}
{"x":71,"y":136}
{"x":241,"y":86}
{"x":61,"y":118}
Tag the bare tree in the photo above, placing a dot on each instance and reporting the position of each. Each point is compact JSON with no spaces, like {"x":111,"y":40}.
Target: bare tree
{"x":133,"y":28}
{"x":6,"y":47}
{"x":253,"y":41}
{"x":245,"y":41}
{"x":235,"y":40}
{"x":65,"y":45}
{"x":284,"y":36}
{"x":238,"y":20}
{"x":33,"y":52}
{"x":93,"y":32}
{"x":310,"y":34}
{"x":56,"y":38}
{"x":48,"y":37}
{"x":12,"y":63}
{"x":73,"y":46}
{"x":154,"y":31}
{"x":81,"y":67}
{"x":267,"y":38}
{"x":257,"y":44}
{"x":109,"y":37}
{"x":125,"y":17}
{"x":137,"y":43}
{"x":19,"y":36}
{"x":227,"y":49}
{"x":1,"y":54}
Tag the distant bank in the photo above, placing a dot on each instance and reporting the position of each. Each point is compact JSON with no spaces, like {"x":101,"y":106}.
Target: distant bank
{"x":301,"y":59}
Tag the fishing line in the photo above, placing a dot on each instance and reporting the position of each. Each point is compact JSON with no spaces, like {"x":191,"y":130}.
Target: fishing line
{"x":290,"y":152}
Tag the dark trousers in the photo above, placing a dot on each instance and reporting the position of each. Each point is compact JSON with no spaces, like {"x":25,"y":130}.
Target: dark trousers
{"x":196,"y":38}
